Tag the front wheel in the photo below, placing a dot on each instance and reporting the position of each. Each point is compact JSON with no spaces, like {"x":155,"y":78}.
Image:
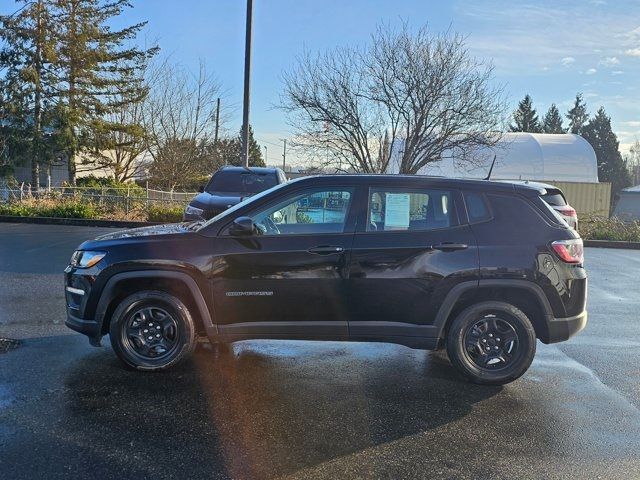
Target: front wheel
{"x":152,"y":330}
{"x":491,"y":343}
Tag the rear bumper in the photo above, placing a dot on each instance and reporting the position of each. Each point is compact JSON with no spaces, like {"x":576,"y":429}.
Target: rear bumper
{"x":90,"y":328}
{"x":561,"y":329}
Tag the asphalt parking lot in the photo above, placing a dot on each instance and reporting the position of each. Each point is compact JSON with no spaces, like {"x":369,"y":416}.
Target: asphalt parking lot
{"x":269,"y":409}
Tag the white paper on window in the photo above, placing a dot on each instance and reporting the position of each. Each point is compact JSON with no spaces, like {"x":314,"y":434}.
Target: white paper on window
{"x":396,"y":211}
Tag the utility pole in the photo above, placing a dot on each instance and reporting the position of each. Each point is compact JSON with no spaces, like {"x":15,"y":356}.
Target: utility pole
{"x":284,"y":154}
{"x":215,"y":138}
{"x":247,"y":78}
{"x":265,"y":154}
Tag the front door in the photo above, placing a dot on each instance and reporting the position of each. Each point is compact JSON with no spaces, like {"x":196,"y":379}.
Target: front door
{"x":289,"y":278}
{"x":406,"y":256}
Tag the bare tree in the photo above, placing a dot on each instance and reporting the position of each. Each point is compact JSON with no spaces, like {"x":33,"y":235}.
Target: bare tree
{"x":410,"y":98}
{"x":180,"y":119}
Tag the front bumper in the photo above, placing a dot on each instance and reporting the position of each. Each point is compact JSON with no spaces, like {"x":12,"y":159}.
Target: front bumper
{"x":90,"y":328}
{"x":561,"y":329}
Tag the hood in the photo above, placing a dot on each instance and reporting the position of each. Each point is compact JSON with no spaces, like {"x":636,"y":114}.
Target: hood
{"x":208,"y":201}
{"x":153,"y":230}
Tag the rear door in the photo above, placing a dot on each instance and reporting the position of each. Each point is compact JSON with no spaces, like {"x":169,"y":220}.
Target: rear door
{"x":289,"y":280}
{"x":412,"y":248}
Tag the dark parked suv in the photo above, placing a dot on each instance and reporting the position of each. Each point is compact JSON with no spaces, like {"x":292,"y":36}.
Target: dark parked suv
{"x":229,"y":186}
{"x":483,"y":268}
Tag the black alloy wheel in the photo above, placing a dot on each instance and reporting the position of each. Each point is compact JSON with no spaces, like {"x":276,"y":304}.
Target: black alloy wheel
{"x":491,"y":342}
{"x":152,"y":330}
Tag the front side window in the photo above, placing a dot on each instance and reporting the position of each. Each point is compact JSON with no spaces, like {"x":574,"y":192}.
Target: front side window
{"x":307,"y":212}
{"x":410,"y":209}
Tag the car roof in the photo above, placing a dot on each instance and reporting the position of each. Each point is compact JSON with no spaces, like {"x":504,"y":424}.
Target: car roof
{"x":418,"y":180}
{"x":233,"y":168}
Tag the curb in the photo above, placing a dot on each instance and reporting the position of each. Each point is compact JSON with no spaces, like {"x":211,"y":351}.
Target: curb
{"x":612,"y":244}
{"x":81,"y":222}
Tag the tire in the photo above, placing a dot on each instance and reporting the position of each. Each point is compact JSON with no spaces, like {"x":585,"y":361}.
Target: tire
{"x":491,"y":343}
{"x":152,"y":330}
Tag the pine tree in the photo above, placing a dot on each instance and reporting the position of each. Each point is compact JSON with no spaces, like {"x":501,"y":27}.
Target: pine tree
{"x":611,"y":166}
{"x":525,"y":117}
{"x":552,"y":121}
{"x":578,"y":115}
{"x":28,"y":109}
{"x":96,"y":68}
{"x":230,"y":151}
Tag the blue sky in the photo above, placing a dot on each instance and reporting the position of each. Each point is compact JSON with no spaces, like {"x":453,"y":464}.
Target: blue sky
{"x":550,"y":49}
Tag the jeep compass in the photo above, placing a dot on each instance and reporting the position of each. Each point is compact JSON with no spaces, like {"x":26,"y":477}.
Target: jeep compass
{"x":480,"y":268}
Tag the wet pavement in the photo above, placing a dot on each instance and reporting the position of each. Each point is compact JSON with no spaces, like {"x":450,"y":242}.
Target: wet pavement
{"x":271,"y":409}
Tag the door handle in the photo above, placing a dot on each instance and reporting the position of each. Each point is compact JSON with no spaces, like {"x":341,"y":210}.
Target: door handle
{"x":325,"y":250}
{"x":450,"y":246}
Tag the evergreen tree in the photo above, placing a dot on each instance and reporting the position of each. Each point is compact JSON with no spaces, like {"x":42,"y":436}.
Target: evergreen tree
{"x":611,"y":166}
{"x":230,"y":151}
{"x":578,"y":115}
{"x":96,"y":68}
{"x":525,"y":117}
{"x":29,"y":113}
{"x":552,"y":121}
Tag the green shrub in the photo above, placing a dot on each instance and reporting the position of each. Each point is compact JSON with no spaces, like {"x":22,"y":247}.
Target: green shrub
{"x":49,"y":208}
{"x":110,"y":186}
{"x":165,"y":213}
{"x":594,"y":227}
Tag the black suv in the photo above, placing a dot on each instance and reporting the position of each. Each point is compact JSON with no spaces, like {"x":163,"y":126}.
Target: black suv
{"x":483,"y":268}
{"x":229,"y":186}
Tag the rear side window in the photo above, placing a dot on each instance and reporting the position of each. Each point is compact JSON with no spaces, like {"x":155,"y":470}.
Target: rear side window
{"x":554,"y":198}
{"x":477,"y":208}
{"x":409,"y":209}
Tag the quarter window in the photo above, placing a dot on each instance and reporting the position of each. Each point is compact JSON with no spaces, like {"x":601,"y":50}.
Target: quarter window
{"x":398,"y":209}
{"x":477,"y":209}
{"x":308,"y":212}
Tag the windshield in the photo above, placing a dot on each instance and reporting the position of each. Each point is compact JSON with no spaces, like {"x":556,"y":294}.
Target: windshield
{"x":242,"y":204}
{"x":245,"y":182}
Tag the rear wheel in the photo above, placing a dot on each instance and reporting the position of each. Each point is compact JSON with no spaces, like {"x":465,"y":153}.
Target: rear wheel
{"x":152,"y":330}
{"x":491,"y":343}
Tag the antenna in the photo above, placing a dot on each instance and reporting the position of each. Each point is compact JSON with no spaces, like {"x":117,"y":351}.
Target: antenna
{"x":488,"y":177}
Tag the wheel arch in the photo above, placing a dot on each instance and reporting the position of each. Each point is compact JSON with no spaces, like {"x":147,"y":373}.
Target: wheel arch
{"x":180,"y":284}
{"x":523,"y":294}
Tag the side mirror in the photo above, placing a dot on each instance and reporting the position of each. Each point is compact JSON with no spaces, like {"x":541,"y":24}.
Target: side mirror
{"x":201,"y":189}
{"x":242,"y":226}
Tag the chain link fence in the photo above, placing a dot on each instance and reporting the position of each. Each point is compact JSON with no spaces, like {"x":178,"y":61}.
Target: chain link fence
{"x":124,"y":198}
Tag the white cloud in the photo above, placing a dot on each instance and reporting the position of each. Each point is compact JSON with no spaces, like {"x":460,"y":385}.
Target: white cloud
{"x":617,"y":72}
{"x":591,"y":71}
{"x":610,"y":61}
{"x":633,"y":52}
{"x":566,"y":61}
{"x":631,"y":123}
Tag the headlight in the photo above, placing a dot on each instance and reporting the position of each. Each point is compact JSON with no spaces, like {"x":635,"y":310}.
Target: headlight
{"x":86,"y":259}
{"x":193,"y":211}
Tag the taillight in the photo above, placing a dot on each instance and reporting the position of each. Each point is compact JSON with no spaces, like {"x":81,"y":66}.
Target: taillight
{"x":569,"y":251}
{"x":568,"y":211}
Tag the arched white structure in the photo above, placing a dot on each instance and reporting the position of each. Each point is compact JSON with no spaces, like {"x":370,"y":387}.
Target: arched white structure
{"x":523,"y":156}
